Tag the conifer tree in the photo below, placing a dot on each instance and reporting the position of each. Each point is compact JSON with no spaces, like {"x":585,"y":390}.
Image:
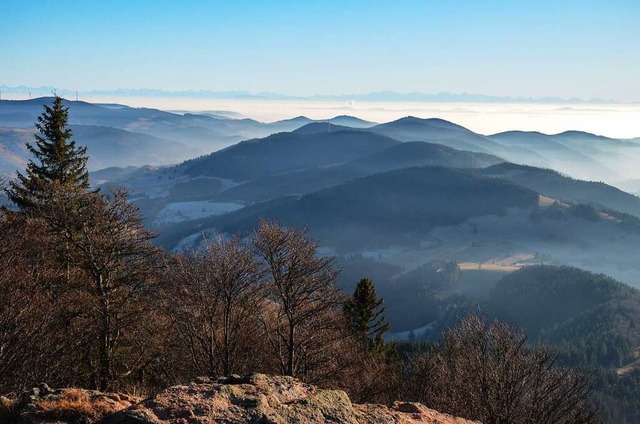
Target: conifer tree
{"x":56,"y":159}
{"x":366,"y":314}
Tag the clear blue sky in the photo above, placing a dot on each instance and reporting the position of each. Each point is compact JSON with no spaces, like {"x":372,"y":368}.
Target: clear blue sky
{"x":518,"y":48}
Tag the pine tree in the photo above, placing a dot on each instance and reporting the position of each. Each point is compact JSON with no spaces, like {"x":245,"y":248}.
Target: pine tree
{"x":366,"y":314}
{"x":59,"y":160}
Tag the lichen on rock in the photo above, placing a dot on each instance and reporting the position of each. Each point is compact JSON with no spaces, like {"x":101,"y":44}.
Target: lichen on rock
{"x":270,"y":400}
{"x":256,"y":398}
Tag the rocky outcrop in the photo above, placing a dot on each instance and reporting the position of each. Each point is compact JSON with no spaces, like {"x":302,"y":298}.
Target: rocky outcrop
{"x":265,"y":399}
{"x":256,"y":398}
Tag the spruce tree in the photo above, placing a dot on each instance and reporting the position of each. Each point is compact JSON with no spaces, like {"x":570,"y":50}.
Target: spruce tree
{"x":57,"y":159}
{"x":366,"y":314}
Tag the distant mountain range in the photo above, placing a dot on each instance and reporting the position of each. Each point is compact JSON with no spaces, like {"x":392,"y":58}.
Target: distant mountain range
{"x":373,"y":190}
{"x":119,"y":135}
{"x":380,"y":96}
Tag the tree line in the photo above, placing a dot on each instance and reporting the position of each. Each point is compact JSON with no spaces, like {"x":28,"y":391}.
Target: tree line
{"x":87,"y":300}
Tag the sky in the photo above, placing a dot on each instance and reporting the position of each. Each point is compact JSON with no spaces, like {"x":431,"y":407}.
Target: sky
{"x":584,"y":49}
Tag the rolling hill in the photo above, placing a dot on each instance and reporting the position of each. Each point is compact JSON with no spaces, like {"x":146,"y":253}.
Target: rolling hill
{"x":561,"y":305}
{"x":579,"y":154}
{"x":435,"y":130}
{"x":565,"y":152}
{"x":107,"y":147}
{"x":555,"y":185}
{"x":319,"y":128}
{"x":383,"y":208}
{"x":286,"y":152}
{"x":397,"y":156}
{"x":590,"y":319}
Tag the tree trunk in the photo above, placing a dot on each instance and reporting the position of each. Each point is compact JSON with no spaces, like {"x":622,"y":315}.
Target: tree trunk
{"x":104,"y":364}
{"x":104,"y":359}
{"x":226,"y":355}
{"x":292,"y":345}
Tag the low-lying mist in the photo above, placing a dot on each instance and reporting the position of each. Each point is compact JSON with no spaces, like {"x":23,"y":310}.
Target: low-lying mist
{"x":611,"y":120}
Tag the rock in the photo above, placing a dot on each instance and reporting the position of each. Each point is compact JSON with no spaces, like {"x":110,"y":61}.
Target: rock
{"x":265,"y":399}
{"x":408,"y":407}
{"x":256,"y":398}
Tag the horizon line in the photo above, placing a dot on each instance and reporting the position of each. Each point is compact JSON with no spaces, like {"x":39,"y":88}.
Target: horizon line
{"x":380,"y":96}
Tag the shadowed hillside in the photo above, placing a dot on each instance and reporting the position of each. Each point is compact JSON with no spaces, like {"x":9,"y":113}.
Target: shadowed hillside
{"x":398,"y":156}
{"x":287,"y":152}
{"x":553,"y":184}
{"x":372,"y":209}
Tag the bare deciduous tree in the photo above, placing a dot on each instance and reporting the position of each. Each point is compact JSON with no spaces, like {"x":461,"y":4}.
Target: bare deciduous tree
{"x":486,"y":372}
{"x":303,"y":294}
{"x":214,"y":302}
{"x":30,"y":345}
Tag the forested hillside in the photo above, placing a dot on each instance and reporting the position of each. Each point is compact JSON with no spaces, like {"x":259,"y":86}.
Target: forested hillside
{"x":387,"y":205}
{"x":555,"y":185}
{"x":285,"y":152}
{"x":589,"y":318}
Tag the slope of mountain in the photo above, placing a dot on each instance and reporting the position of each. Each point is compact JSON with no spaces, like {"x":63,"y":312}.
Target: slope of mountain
{"x":107,"y":147}
{"x":532,"y":139}
{"x":296,"y":122}
{"x":319,"y":128}
{"x":592,"y":141}
{"x":579,"y":154}
{"x":420,"y":154}
{"x":571,"y":158}
{"x":382,"y":208}
{"x":566,"y":305}
{"x":398,"y":156}
{"x":435,"y":131}
{"x":591,"y":319}
{"x":22,"y":113}
{"x":13,"y":151}
{"x":553,"y":184}
{"x":351,"y":121}
{"x":114,"y":173}
{"x":286,"y":152}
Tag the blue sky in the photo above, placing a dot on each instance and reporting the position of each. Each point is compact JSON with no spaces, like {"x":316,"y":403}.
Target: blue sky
{"x":559,"y":48}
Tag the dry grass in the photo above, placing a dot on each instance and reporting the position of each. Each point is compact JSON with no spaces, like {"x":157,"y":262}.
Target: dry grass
{"x":6,"y":409}
{"x":77,"y":406}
